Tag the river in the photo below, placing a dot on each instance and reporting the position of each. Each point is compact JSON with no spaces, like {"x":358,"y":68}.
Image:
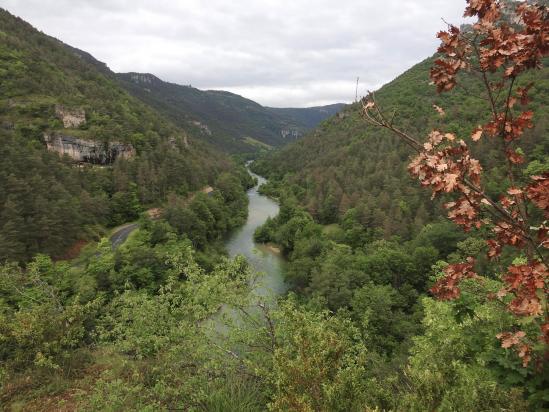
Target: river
{"x":262,"y":259}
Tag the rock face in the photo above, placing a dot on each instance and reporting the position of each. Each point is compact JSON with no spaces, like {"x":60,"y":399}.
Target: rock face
{"x":289,"y":133}
{"x":88,"y":151}
{"x":143,"y":78}
{"x":203,"y":127}
{"x":71,"y":118}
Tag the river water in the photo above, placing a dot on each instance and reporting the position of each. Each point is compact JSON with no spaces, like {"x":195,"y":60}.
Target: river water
{"x":261,"y":257}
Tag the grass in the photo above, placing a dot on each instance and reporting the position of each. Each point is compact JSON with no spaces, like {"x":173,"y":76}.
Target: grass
{"x":53,"y":391}
{"x":236,"y":395}
{"x":256,"y":143}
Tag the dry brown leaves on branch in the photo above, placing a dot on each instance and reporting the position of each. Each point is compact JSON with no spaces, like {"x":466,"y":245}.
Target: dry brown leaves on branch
{"x":501,"y":45}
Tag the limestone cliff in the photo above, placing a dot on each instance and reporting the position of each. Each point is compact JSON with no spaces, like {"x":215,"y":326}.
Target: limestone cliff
{"x":289,"y":133}
{"x":203,"y":127}
{"x":88,"y":151}
{"x":72,"y":117}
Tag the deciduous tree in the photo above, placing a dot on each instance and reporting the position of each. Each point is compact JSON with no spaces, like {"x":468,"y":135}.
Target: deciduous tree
{"x":507,"y":40}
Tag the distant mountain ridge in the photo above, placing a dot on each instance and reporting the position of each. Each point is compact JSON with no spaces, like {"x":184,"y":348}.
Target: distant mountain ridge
{"x":309,"y":117}
{"x":227,"y":120}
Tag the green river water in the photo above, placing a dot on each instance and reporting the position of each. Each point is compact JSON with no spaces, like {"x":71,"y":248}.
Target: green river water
{"x":261,"y":257}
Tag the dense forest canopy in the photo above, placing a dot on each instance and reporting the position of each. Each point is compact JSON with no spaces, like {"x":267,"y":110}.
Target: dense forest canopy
{"x":362,"y":236}
{"x":47,"y":203}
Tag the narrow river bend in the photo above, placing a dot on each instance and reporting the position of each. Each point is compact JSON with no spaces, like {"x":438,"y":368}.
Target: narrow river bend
{"x":261,"y":258}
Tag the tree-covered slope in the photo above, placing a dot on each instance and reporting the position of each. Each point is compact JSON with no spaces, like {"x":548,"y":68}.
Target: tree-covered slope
{"x":227,"y":120}
{"x":308,"y":117}
{"x":346,"y":163}
{"x":37,"y":72}
{"x":55,"y":97}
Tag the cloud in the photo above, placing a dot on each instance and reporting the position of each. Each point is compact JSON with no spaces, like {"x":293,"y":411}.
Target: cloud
{"x":279,"y":53}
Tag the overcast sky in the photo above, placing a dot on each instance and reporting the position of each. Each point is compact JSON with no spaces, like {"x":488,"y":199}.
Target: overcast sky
{"x":280,"y":53}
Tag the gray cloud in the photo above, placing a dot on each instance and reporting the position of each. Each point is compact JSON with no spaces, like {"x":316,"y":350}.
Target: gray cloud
{"x":277,"y":52}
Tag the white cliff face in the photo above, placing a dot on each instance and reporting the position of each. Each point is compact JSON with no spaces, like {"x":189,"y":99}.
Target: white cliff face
{"x":71,"y":118}
{"x":142,"y":78}
{"x":88,"y":151}
{"x":289,"y":133}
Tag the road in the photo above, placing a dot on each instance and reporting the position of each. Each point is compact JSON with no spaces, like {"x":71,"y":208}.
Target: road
{"x":122,"y":233}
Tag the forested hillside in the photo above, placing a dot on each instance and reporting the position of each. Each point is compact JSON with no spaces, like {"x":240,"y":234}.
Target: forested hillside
{"x":346,"y":163}
{"x":227,"y":120}
{"x":120,"y":155}
{"x":363,"y":238}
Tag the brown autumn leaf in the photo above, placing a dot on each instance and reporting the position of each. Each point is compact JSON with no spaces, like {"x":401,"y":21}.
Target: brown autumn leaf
{"x":514,"y":191}
{"x":440,"y":110}
{"x":514,"y":157}
{"x":451,"y":181}
{"x":510,"y":339}
{"x":477,"y":133}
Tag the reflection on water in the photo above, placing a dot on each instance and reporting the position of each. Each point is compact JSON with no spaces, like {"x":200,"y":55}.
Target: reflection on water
{"x":261,"y":258}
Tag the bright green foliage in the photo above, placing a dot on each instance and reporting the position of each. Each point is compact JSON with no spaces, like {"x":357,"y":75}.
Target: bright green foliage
{"x":171,"y":353}
{"x":319,"y":363}
{"x":168,"y":351}
{"x":454,"y":365}
{"x":39,"y":329}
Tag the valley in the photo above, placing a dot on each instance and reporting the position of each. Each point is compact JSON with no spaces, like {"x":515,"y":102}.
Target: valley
{"x":166,"y":247}
{"x":226,"y":120}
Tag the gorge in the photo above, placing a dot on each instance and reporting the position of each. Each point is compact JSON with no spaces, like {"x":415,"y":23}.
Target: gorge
{"x":262,"y":258}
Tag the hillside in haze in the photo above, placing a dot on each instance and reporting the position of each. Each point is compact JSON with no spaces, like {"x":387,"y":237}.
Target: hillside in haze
{"x":227,"y":120}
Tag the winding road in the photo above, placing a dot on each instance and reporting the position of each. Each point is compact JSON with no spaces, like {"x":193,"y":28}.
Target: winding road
{"x":122,"y":233}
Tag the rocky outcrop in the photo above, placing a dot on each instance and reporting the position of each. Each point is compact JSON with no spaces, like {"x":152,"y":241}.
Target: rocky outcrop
{"x":71,"y":118}
{"x":203,"y":127}
{"x":88,"y":151}
{"x":145,"y":78}
{"x":289,"y":133}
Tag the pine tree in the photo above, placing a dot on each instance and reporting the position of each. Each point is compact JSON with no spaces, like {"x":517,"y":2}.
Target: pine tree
{"x":12,"y":239}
